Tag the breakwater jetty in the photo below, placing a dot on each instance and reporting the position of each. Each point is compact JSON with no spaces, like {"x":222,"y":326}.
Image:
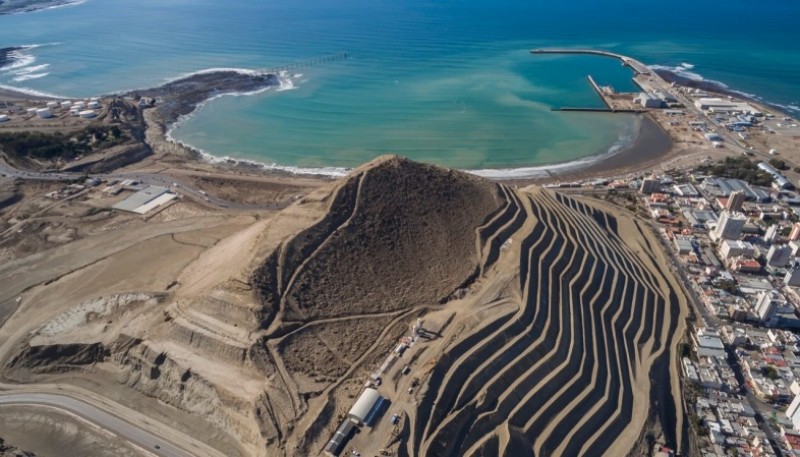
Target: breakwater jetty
{"x":598,"y":110}
{"x":615,"y":102}
{"x":638,"y":67}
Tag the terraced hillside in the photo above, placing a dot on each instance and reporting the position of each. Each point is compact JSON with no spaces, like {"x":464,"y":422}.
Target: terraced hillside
{"x":570,"y":371}
{"x":551,"y":323}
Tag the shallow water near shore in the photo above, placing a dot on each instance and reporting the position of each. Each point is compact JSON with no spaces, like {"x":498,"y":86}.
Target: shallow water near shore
{"x":445,"y":82}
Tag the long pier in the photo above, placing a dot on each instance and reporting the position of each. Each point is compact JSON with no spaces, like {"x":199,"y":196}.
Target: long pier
{"x":599,"y":91}
{"x":637,"y":66}
{"x":307,"y":63}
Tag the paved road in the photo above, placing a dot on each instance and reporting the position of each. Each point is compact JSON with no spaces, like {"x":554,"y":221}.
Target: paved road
{"x":153,"y":179}
{"x":97,"y":416}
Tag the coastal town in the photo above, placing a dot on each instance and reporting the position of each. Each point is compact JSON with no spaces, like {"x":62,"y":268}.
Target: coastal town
{"x":736,"y":246}
{"x":731,"y":223}
{"x":722,"y":200}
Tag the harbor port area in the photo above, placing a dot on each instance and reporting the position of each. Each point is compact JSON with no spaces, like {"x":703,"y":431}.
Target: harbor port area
{"x":703,"y":122}
{"x":695,"y":118}
{"x":653,"y":92}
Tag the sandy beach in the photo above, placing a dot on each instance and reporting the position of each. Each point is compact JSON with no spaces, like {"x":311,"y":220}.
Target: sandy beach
{"x":652,"y":146}
{"x":11,"y":95}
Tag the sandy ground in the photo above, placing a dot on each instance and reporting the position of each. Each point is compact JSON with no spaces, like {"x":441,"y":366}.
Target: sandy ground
{"x":260,"y":329}
{"x":472,"y":380}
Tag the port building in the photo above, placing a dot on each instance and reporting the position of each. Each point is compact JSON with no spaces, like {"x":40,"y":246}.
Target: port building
{"x":649,"y":100}
{"x":146,"y":200}
{"x":721,"y":106}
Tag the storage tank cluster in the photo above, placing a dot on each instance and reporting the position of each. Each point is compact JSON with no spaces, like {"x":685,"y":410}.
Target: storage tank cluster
{"x":84,"y":109}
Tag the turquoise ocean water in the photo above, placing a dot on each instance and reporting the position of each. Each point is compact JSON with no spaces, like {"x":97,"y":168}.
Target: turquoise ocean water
{"x":446,"y":82}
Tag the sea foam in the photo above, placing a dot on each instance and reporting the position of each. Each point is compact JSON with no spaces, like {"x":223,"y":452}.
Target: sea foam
{"x":28,"y":76}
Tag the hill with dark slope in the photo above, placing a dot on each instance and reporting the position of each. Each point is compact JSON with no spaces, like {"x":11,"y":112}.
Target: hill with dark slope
{"x":397,"y":234}
{"x":268,"y":334}
{"x":550,"y":323}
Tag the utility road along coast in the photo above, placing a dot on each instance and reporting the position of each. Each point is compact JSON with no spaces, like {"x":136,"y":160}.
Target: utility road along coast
{"x":151,"y":442}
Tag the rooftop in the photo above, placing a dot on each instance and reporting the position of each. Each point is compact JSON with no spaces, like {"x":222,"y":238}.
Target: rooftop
{"x":141,"y":198}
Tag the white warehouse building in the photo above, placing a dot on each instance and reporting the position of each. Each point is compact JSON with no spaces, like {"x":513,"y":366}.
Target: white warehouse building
{"x":363,"y":408}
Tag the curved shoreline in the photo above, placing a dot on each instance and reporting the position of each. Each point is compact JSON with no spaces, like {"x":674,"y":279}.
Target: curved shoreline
{"x":626,"y":153}
{"x":673,"y":76}
{"x":176,"y":100}
{"x":650,"y":142}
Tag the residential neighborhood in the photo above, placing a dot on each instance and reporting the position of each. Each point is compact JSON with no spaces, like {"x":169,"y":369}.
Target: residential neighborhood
{"x":737,"y":248}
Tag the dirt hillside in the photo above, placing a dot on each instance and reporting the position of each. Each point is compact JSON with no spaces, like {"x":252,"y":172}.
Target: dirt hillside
{"x":397,"y":234}
{"x":266,"y":328}
{"x":494,"y":321}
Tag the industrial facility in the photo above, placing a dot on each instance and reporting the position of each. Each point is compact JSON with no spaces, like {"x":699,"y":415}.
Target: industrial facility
{"x":719,"y":105}
{"x":780,"y":181}
{"x":364,"y":411}
{"x":146,"y":200}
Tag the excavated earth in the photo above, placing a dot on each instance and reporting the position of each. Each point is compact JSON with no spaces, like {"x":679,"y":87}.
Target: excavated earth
{"x":272,"y":326}
{"x":571,"y":371}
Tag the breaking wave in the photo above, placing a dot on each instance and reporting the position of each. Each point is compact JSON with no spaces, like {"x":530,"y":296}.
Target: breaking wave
{"x":59,"y":4}
{"x":284,"y":83}
{"x":683,"y":71}
{"x":31,"y":69}
{"x":626,"y":138}
{"x":241,"y":71}
{"x":18,"y":59}
{"x":28,"y":76}
{"x":32,"y":92}
{"x":20,"y":63}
